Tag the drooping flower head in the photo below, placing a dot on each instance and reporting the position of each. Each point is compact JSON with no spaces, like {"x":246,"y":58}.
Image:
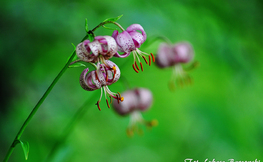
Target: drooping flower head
{"x":106,"y":74}
{"x":103,"y":47}
{"x":129,"y":41}
{"x":176,"y":55}
{"x":136,"y":101}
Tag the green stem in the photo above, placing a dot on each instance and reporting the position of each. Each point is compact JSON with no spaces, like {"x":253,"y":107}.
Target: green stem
{"x":107,"y":22}
{"x":20,"y":132}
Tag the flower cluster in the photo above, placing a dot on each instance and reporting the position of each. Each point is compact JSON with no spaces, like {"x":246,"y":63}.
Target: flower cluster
{"x":98,"y":51}
{"x":176,"y":55}
{"x":101,"y":49}
{"x":136,"y":100}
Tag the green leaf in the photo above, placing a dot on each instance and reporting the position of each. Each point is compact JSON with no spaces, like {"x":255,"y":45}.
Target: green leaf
{"x":25,"y":147}
{"x":91,"y":37}
{"x":86,"y":25}
{"x":113,"y":19}
{"x":77,"y":65}
{"x":109,"y":28}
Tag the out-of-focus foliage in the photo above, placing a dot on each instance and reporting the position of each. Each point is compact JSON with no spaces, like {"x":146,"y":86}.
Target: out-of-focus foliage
{"x":218,"y":117}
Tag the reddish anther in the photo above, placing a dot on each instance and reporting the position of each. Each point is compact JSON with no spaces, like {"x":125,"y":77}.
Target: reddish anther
{"x":136,"y":65}
{"x":134,"y":68}
{"x":96,"y":75}
{"x":145,"y":60}
{"x":98,"y":105}
{"x":141,"y":66}
{"x":117,"y":98}
{"x":153,"y":57}
{"x":108,"y":103}
{"x":110,"y":99}
{"x":150,"y":61}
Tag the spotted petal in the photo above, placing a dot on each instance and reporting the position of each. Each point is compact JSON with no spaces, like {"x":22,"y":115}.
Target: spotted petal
{"x":135,"y":27}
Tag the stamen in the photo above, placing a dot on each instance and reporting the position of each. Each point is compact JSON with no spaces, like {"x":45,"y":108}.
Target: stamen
{"x":114,"y":69}
{"x":106,"y":74}
{"x":120,"y":98}
{"x":134,"y":68}
{"x":141,"y":66}
{"x":150,"y":60}
{"x":110,"y":100}
{"x":96,"y":75}
{"x":153,"y":57}
{"x":136,"y":65}
{"x":117,"y":98}
{"x":145,"y":60}
{"x":108,"y":103}
{"x":98,"y":105}
{"x":129,"y":132}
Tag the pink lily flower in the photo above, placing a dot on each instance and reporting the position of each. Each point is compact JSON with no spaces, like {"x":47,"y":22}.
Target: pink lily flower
{"x":136,"y":101}
{"x":102,"y":48}
{"x":175,"y":56}
{"x":105,"y":75}
{"x":129,"y":41}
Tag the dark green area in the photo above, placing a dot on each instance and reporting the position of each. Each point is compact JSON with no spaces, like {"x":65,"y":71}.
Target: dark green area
{"x":218,"y":117}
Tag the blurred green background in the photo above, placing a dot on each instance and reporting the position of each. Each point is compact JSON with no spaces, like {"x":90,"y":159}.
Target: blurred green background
{"x":218,"y":117}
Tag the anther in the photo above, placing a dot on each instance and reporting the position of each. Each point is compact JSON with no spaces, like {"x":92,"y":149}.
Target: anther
{"x":134,"y":68}
{"x":117,"y":98}
{"x":110,"y":99}
{"x":98,"y":105}
{"x":106,"y":75}
{"x":108,"y":103}
{"x":153,"y":57}
{"x":150,"y":60}
{"x":136,"y":65}
{"x":122,"y":98}
{"x":114,"y":69}
{"x":96,"y":74}
{"x":141,"y":66}
{"x":145,"y":60}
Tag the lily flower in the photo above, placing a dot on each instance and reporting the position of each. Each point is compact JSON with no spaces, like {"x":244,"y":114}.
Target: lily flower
{"x":102,"y":48}
{"x":175,"y":56}
{"x":105,"y":75}
{"x":129,"y":41}
{"x":136,"y":101}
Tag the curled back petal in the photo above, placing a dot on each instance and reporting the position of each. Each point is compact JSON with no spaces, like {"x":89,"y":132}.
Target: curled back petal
{"x":82,"y":52}
{"x":109,"y":45}
{"x":86,"y":82}
{"x":145,"y":98}
{"x":95,"y":47}
{"x":113,"y":74}
{"x":137,"y":38}
{"x":184,"y":52}
{"x":135,"y":27}
{"x":122,"y":55}
{"x":125,"y":42}
{"x":165,"y":55}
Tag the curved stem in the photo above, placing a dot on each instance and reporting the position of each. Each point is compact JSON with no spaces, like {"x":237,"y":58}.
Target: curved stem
{"x":20,"y":132}
{"x":107,"y":22}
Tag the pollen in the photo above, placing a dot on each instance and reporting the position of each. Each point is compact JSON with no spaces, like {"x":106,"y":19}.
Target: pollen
{"x":122,"y":98}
